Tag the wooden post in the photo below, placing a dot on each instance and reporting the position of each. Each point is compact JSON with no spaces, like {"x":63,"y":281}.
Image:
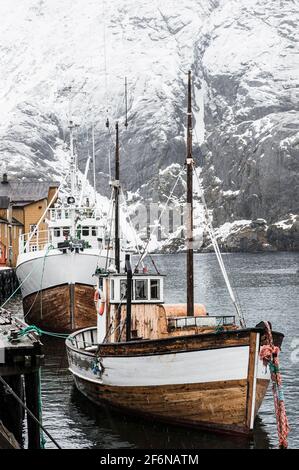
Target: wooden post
{"x":32,"y":388}
{"x":189,"y":163}
{"x":129,"y":297}
{"x":116,"y":189}
{"x":11,"y":412}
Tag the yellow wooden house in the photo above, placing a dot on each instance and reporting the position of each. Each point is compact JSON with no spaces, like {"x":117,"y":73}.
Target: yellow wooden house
{"x":22,"y":204}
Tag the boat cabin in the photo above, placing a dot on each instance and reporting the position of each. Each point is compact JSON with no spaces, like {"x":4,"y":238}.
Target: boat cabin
{"x":150,"y":317}
{"x":146,"y":289}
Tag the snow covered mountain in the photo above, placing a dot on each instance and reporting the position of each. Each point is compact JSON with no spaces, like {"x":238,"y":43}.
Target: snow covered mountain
{"x":62,"y":59}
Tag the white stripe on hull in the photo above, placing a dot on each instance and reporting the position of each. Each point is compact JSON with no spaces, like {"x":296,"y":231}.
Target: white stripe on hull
{"x":168,"y":369}
{"x":57,"y":269}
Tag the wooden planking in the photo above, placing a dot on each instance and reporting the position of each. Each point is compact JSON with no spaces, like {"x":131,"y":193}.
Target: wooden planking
{"x":221,"y":405}
{"x":85,"y":312}
{"x":251,"y":376}
{"x":177,"y":344}
{"x":50,"y":309}
{"x":261,"y":389}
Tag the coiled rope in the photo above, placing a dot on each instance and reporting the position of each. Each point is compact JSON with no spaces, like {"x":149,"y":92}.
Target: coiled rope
{"x":269,"y":354}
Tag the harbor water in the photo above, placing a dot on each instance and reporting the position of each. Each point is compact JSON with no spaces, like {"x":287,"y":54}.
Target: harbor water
{"x":267,"y":287}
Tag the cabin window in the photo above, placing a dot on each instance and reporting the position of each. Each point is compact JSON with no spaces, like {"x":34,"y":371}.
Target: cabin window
{"x":155,"y":289}
{"x":94,"y":231}
{"x":85,"y":231}
{"x":123,"y":289}
{"x":140,"y":289}
{"x":112,"y":290}
{"x":57,"y":232}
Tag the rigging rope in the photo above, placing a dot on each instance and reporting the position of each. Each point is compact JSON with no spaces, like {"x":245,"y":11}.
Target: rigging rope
{"x":159,"y":220}
{"x":218,"y":253}
{"x":269,"y":354}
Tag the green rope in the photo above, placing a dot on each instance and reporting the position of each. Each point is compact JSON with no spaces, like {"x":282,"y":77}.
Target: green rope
{"x":34,"y":329}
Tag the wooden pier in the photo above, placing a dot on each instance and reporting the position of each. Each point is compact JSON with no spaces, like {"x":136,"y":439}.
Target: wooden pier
{"x":20,"y":361}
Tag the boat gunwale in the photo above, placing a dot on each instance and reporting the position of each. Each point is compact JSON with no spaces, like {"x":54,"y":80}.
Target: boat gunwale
{"x":161,"y":341}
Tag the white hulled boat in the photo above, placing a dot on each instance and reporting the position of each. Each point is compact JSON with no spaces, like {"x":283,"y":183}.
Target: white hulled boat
{"x":56,"y":266}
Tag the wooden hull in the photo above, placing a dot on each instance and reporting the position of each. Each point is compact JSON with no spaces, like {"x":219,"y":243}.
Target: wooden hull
{"x":62,"y":309}
{"x":209,"y":381}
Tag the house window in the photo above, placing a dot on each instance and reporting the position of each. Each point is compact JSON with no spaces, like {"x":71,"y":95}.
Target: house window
{"x":66,"y":232}
{"x":94,"y":231}
{"x":33,"y":247}
{"x":32,"y":228}
{"x":85,"y":231}
{"x":141,"y":290}
{"x":155,"y":289}
{"x":57,"y":232}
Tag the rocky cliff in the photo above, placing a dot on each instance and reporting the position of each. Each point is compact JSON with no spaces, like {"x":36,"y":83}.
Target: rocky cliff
{"x":62,"y":59}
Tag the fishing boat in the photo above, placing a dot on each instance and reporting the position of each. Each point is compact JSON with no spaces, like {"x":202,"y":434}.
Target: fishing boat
{"x":173,"y":363}
{"x":56,"y":266}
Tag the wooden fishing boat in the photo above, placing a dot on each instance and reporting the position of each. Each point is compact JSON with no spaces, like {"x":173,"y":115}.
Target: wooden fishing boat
{"x":200,"y":371}
{"x":172,"y":363}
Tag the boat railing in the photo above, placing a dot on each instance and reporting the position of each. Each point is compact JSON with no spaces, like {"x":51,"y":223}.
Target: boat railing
{"x":65,"y":213}
{"x":202,"y":321}
{"x":39,"y":241}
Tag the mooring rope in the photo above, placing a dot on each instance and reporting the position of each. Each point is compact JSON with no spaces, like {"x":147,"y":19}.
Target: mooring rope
{"x":269,"y":354}
{"x":34,"y":329}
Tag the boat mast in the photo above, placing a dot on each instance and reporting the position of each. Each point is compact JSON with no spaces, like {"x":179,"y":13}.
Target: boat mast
{"x":116,"y":197}
{"x":73,"y":165}
{"x":189,"y":163}
{"x":94,"y":166}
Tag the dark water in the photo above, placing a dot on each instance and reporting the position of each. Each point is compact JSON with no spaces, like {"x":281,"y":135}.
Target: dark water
{"x":267,"y":286}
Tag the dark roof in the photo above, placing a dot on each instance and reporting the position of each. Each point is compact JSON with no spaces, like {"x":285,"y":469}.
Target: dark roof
{"x":26,"y":191}
{"x":4,"y":202}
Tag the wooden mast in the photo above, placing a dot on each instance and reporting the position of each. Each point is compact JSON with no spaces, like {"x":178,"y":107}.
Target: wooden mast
{"x":116,"y":195}
{"x":189,"y":163}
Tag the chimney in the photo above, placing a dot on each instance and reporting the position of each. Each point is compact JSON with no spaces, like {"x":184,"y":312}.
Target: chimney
{"x":4,"y":179}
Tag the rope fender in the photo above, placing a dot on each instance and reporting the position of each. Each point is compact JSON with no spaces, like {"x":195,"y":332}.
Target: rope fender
{"x":269,"y":354}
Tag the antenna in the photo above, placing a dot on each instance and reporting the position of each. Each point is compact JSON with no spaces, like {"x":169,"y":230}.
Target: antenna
{"x":116,"y":189}
{"x":126,"y":102}
{"x":94,"y":165}
{"x":189,"y":163}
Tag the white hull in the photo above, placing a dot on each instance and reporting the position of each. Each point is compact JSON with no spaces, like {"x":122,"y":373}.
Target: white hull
{"x":56,"y":268}
{"x":214,"y":365}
